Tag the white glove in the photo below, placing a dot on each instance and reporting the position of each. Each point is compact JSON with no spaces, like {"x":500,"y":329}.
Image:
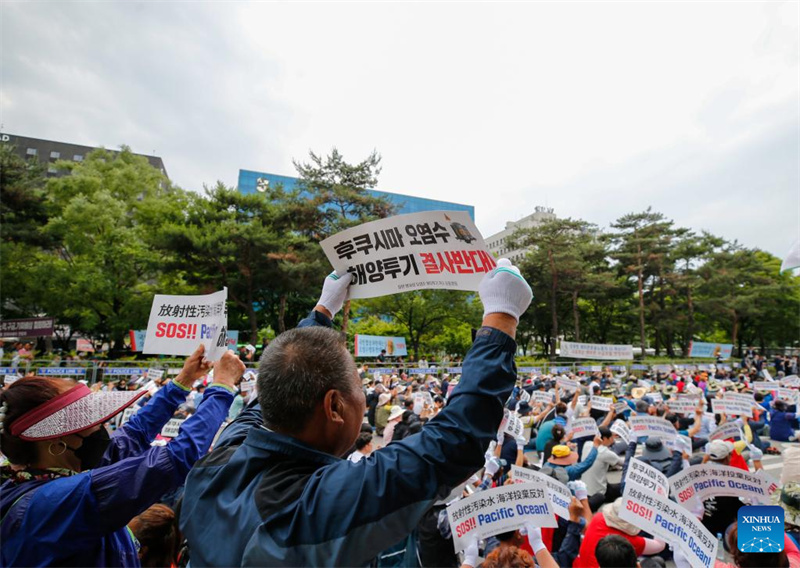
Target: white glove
{"x":520,"y":441}
{"x":534,"y":537}
{"x":755,"y":453}
{"x":471,"y":553}
{"x":579,"y":489}
{"x":683,"y":445}
{"x":492,"y":466}
{"x":334,"y":291}
{"x":490,"y":451}
{"x":505,"y":291}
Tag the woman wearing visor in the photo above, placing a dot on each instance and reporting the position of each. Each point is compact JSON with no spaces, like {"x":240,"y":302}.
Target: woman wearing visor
{"x":73,"y":488}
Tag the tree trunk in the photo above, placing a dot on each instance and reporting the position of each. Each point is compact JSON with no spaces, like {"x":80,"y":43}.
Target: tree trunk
{"x":553,"y":310}
{"x":251,"y":315}
{"x":735,"y":331}
{"x":657,"y":342}
{"x":282,"y":314}
{"x":576,"y":315}
{"x":690,"y":327}
{"x":345,"y":316}
{"x":640,"y":278}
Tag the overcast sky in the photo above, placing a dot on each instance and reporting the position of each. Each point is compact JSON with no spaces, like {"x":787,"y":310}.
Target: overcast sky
{"x":593,"y":109}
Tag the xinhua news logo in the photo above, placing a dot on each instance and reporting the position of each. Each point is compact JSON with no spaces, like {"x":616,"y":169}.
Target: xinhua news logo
{"x":760,"y":529}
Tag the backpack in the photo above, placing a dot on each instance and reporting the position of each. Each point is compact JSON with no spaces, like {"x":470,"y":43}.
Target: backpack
{"x":556,"y":472}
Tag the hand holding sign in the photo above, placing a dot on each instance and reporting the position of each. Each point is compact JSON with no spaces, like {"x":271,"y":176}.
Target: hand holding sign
{"x":195,"y":366}
{"x":229,"y":370}
{"x":505,"y":291}
{"x":334,"y":292}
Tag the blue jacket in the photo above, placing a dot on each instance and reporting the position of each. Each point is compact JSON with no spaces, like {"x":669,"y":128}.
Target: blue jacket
{"x":81,"y":520}
{"x":265,"y":499}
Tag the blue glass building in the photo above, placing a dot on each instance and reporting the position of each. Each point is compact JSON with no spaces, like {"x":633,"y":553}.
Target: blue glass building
{"x":249,"y":182}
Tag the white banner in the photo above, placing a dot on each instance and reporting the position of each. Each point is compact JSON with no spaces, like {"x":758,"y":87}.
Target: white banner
{"x":682,"y":405}
{"x":732,"y":407}
{"x":372,"y":345}
{"x":789,"y":395}
{"x":154,"y":374}
{"x":644,"y":426}
{"x":178,"y":324}
{"x":764,"y":385}
{"x":596,"y":351}
{"x":621,"y":429}
{"x":567,"y":384}
{"x":620,"y":407}
{"x":647,"y":477}
{"x":542,"y":397}
{"x":670,"y":522}
{"x":704,"y":481}
{"x":602,"y":403}
{"x":558,"y":493}
{"x":498,"y":510}
{"x":430,"y":249}
{"x":725,"y":431}
{"x":584,"y":427}
{"x":791,"y":381}
{"x":172,"y":428}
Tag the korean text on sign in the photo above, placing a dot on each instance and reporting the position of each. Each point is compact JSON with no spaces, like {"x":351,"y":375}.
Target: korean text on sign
{"x":432,"y":249}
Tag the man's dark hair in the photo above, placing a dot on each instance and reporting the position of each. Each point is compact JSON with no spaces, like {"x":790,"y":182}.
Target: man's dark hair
{"x":614,"y":551}
{"x":296,"y":371}
{"x":363,"y":441}
{"x":408,"y":403}
{"x":605,"y":432}
{"x":561,"y":408}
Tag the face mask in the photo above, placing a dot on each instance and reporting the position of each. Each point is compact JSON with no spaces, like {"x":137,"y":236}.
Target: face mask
{"x":93,"y":448}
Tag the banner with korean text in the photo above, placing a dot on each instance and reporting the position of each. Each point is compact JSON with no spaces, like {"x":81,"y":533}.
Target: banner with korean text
{"x":372,"y":345}
{"x":427,"y":250}
{"x":596,"y":351}
{"x":710,"y":350}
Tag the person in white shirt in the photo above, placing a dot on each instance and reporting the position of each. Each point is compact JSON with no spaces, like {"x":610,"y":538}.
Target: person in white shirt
{"x":596,"y":477}
{"x":363,"y":447}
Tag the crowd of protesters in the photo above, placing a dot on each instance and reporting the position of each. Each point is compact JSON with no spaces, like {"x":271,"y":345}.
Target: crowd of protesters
{"x":315,"y":461}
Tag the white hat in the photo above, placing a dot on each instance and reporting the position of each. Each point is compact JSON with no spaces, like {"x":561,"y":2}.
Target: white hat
{"x":384,"y":399}
{"x":719,"y":450}
{"x":396,"y":412}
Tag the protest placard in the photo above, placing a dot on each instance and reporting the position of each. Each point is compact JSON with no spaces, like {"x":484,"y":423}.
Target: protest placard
{"x":655,"y":396}
{"x":567,"y":384}
{"x":524,"y":396}
{"x":620,"y":428}
{"x":791,"y":381}
{"x":512,"y":425}
{"x":542,"y":397}
{"x":558,"y":493}
{"x":766,"y":375}
{"x":644,"y":426}
{"x":769,"y":483}
{"x":682,"y":405}
{"x":430,"y":249}
{"x":583,"y":428}
{"x":596,"y":351}
{"x":247,"y":386}
{"x":178,"y":324}
{"x":154,"y":374}
{"x":128,"y":412}
{"x":647,"y":477}
{"x":421,"y":400}
{"x":708,"y":480}
{"x":725,"y":431}
{"x":789,"y":395}
{"x":620,"y":407}
{"x":732,"y":407}
{"x":172,"y":428}
{"x":764,"y":385}
{"x":30,"y":327}
{"x":372,"y":345}
{"x":498,"y":510}
{"x":8,"y":380}
{"x":602,"y":403}
{"x":670,"y":522}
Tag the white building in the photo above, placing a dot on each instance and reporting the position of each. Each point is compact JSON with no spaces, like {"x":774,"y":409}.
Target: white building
{"x":497,"y":243}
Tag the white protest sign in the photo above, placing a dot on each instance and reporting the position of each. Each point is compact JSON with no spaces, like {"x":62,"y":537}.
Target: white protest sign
{"x":247,"y":386}
{"x":498,"y":510}
{"x":128,"y":412}
{"x":178,"y":324}
{"x":524,"y":396}
{"x":542,"y":397}
{"x":584,"y":427}
{"x":725,"y":431}
{"x":789,"y":395}
{"x":596,"y":351}
{"x":767,"y":375}
{"x":154,"y":374}
{"x":764,"y":385}
{"x":8,"y":380}
{"x":602,"y":403}
{"x":682,"y":405}
{"x":620,"y":407}
{"x":567,"y":384}
{"x":791,"y":381}
{"x":655,"y":396}
{"x":644,"y":426}
{"x":421,"y":400}
{"x":670,"y":522}
{"x":621,"y":429}
{"x":732,"y":407}
{"x":647,"y":477}
{"x":769,"y":483}
{"x":512,"y":425}
{"x":171,"y":428}
{"x":558,"y":493}
{"x":430,"y":249}
{"x":705,"y":481}
{"x":582,"y":399}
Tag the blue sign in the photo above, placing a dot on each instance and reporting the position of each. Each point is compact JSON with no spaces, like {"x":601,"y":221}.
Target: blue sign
{"x":124,"y":371}
{"x":638,"y":367}
{"x":560,"y":369}
{"x":8,"y":371}
{"x":711,"y":350}
{"x":761,"y":529}
{"x":430,"y":371}
{"x":62,"y":371}
{"x":526,"y":369}
{"x":454,"y":370}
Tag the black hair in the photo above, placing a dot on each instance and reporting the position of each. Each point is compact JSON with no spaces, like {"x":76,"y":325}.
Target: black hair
{"x":363,"y":441}
{"x":605,"y":432}
{"x":614,"y":551}
{"x":297,"y":369}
